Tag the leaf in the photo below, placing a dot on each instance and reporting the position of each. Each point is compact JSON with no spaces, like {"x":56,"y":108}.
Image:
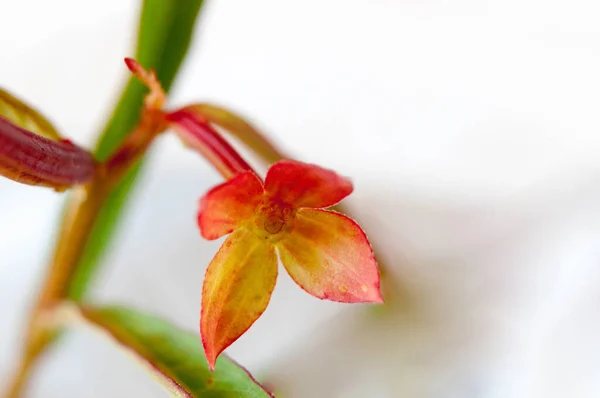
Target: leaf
{"x":25,"y":116}
{"x":32,"y":159}
{"x":165,"y":31}
{"x":175,"y":357}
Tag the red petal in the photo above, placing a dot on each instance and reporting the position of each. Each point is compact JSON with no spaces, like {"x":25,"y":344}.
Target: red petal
{"x":306,"y":185}
{"x":329,"y":256}
{"x":237,"y":288}
{"x":227,"y":205}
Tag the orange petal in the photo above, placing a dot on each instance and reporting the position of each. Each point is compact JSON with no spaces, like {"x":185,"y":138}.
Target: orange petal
{"x":329,"y":256}
{"x":227,"y":205}
{"x":237,"y":288}
{"x":306,"y":185}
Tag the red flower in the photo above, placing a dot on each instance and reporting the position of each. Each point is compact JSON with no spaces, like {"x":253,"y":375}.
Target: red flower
{"x":326,"y":253}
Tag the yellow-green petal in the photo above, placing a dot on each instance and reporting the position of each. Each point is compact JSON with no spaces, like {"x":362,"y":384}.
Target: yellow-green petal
{"x":237,"y":288}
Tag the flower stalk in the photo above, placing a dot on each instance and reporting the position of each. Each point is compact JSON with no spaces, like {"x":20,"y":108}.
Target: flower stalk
{"x":240,"y":129}
{"x":201,"y":136}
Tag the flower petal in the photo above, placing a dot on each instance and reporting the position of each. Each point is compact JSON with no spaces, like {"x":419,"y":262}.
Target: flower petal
{"x":227,"y":205}
{"x":329,"y":256}
{"x":306,"y":185}
{"x":237,"y":288}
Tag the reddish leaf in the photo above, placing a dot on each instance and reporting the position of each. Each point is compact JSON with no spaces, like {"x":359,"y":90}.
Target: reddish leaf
{"x":31,"y":159}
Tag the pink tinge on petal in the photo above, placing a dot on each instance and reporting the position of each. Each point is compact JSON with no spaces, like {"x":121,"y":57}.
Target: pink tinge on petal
{"x":329,"y":256}
{"x":237,"y":289}
{"x":227,"y":205}
{"x":306,"y":185}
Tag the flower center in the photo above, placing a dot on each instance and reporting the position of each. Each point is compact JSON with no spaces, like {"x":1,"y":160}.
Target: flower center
{"x":272,"y":220}
{"x":274,"y":224}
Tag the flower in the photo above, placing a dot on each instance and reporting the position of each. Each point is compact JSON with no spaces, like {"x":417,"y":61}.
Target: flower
{"x":326,"y":253}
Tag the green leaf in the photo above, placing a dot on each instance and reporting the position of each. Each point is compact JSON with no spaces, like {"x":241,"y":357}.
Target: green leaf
{"x":165,"y":31}
{"x":175,"y":357}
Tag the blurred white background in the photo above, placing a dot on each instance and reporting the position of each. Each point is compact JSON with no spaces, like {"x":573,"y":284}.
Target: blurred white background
{"x":471,"y":131}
